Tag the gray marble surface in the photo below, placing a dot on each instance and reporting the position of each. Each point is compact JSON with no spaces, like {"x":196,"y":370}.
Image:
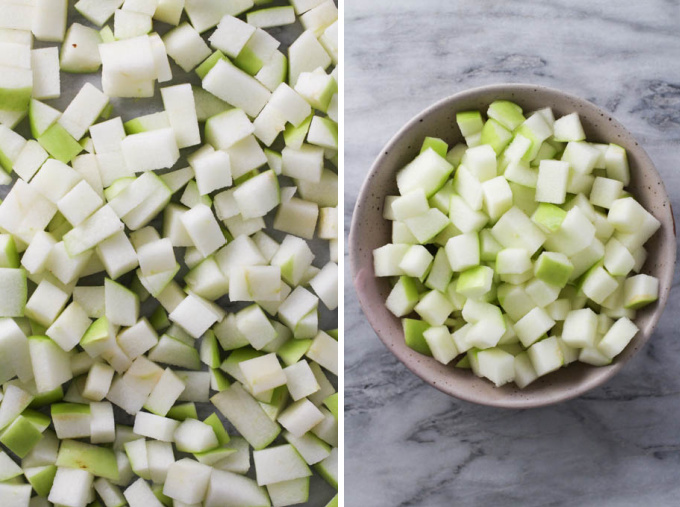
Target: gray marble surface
{"x":410,"y":445}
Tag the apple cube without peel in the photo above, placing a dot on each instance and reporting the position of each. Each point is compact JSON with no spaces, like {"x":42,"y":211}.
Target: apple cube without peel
{"x":325,"y":285}
{"x":551,"y":186}
{"x":203,"y":229}
{"x":83,"y":111}
{"x":109,"y":493}
{"x":181,"y":110}
{"x":306,"y":54}
{"x":155,"y":427}
{"x":80,"y":52}
{"x":54,"y":180}
{"x":268,"y":467}
{"x":69,"y":327}
{"x":160,"y":456}
{"x":195,"y":436}
{"x":441,"y":344}
{"x":237,"y":88}
{"x":263,"y":373}
{"x":46,"y":302}
{"x":122,"y":305}
{"x":496,"y":365}
{"x":30,"y":159}
{"x":533,"y":325}
{"x":140,"y":493}
{"x":416,"y":261}
{"x":95,"y":229}
{"x":193,"y":315}
{"x":228,"y":487}
{"x":228,"y":128}
{"x":138,"y":457}
{"x":14,"y":294}
{"x":152,"y":150}
{"x":524,"y":370}
{"x":165,"y":393}
{"x":463,"y":251}
{"x":231,"y":35}
{"x":98,"y":382}
{"x":546,"y":356}
{"x":15,"y":353}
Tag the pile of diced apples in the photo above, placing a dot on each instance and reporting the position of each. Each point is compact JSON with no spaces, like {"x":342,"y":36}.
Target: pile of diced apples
{"x":519,"y":251}
{"x":150,"y":307}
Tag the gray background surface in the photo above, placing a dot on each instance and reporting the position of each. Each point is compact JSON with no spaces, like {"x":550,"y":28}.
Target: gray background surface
{"x":407,"y":444}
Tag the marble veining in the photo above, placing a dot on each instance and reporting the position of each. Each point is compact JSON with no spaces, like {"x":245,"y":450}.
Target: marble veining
{"x":407,"y":444}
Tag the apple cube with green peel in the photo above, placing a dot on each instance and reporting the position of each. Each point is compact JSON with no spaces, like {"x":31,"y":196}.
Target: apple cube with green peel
{"x":16,"y":88}
{"x":328,"y":468}
{"x":71,"y":420}
{"x":20,"y":436}
{"x":553,"y":268}
{"x":414,"y":335}
{"x":99,"y":461}
{"x":548,"y":217}
{"x":247,"y":416}
{"x":41,"y":478}
{"x":640,"y":290}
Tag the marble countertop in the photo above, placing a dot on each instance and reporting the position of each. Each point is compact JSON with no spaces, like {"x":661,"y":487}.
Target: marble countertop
{"x":410,"y":445}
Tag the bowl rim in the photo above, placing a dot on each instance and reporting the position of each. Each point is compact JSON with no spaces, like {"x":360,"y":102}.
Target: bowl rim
{"x":354,"y":246}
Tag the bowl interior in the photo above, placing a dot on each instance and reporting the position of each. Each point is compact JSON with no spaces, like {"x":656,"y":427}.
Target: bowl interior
{"x":369,"y":231}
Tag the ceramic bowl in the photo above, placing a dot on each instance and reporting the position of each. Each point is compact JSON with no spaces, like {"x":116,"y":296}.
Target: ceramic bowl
{"x":369,"y":231}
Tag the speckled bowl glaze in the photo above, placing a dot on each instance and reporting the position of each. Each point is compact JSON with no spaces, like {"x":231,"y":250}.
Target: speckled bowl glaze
{"x":369,"y":231}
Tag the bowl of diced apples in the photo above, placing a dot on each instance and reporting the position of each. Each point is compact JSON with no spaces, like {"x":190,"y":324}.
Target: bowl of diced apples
{"x":513,"y":246}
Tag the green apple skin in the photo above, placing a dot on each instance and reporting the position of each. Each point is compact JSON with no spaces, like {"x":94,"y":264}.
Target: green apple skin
{"x":553,"y":271}
{"x":15,"y":99}
{"x":20,"y":436}
{"x":293,"y":350}
{"x":207,"y":65}
{"x":413,"y":334}
{"x":59,"y":143}
{"x":220,"y":431}
{"x":99,"y":461}
{"x":548,"y":217}
{"x":248,"y":61}
{"x":183,"y":411}
{"x":438,"y":145}
{"x":41,"y":478}
{"x":332,"y":403}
